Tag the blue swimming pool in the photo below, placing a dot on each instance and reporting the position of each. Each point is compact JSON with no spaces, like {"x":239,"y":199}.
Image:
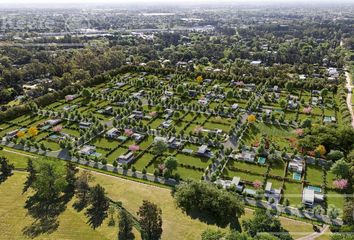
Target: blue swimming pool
{"x":297,"y":176}
{"x":261,"y":160}
{"x":316,"y":189}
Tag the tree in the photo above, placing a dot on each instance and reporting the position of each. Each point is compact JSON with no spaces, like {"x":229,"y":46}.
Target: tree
{"x":98,"y":208}
{"x":159,"y":147}
{"x":125,"y":226}
{"x":171,"y":163}
{"x":341,"y":169}
{"x":20,"y":134}
{"x":264,"y":222}
{"x":30,"y":177}
{"x":33,"y":131}
{"x":71,"y":178}
{"x":86,"y":93}
{"x":204,"y":197}
{"x":50,"y":180}
{"x":335,"y":155}
{"x":150,"y":221}
{"x":5,"y":168}
{"x":212,"y":235}
{"x":282,"y":103}
{"x":321,"y":150}
{"x":199,"y":79}
{"x":82,"y":190}
{"x":251,"y":118}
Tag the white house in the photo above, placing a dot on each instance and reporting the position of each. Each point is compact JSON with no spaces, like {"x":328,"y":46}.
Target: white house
{"x":112,"y":133}
{"x":84,"y":125}
{"x":126,"y":158}
{"x":310,"y":196}
{"x":204,"y":151}
{"x":247,"y":156}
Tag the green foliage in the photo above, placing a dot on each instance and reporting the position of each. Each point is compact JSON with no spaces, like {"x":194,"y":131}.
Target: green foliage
{"x":206,"y":198}
{"x":150,"y":221}
{"x":264,"y":222}
{"x":125,"y":226}
{"x":98,"y":208}
{"x":341,"y":169}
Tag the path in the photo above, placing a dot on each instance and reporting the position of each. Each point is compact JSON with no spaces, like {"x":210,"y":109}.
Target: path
{"x":349,"y":87}
{"x":19,"y":153}
{"x":315,"y":234}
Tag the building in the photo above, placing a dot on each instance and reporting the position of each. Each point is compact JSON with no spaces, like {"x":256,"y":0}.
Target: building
{"x":88,"y":150}
{"x":11,"y":134}
{"x":137,"y":114}
{"x":329,"y":119}
{"x":256,"y":63}
{"x":311,"y":195}
{"x":174,"y":143}
{"x":137,"y":137}
{"x":204,"y":151}
{"x":85,"y":125}
{"x":112,"y":133}
{"x":247,"y":156}
{"x":272,"y":193}
{"x":160,"y":139}
{"x":236,"y":182}
{"x":108,"y":110}
{"x":166,"y":124}
{"x":296,"y":165}
{"x":126,"y":158}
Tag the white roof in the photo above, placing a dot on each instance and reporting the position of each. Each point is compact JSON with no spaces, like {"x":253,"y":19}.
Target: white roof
{"x":308,"y":196}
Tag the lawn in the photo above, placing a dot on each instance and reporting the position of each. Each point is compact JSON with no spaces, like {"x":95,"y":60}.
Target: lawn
{"x":314,"y":175}
{"x":192,"y":160}
{"x":242,"y":175}
{"x":335,"y":198}
{"x":186,"y":173}
{"x":293,"y":192}
{"x":113,"y":156}
{"x":277,"y":169}
{"x":19,"y":159}
{"x":277,"y":135}
{"x":72,"y":225}
{"x":143,"y":161}
{"x":104,"y":142}
{"x":248,"y":166}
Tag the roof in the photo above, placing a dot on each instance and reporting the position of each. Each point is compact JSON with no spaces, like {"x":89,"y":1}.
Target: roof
{"x":308,"y":196}
{"x":235,"y":180}
{"x":203,"y":149}
{"x":268,"y":186}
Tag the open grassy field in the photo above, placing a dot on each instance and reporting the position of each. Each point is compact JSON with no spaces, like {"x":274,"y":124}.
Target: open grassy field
{"x":176,"y":224}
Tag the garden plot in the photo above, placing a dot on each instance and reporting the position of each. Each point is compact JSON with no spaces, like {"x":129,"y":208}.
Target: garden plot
{"x":243,"y":175}
{"x":115,"y":154}
{"x":280,"y":136}
{"x":192,"y":160}
{"x":277,"y":169}
{"x":293,"y":192}
{"x":143,"y":161}
{"x":314,"y":175}
{"x":247,"y":167}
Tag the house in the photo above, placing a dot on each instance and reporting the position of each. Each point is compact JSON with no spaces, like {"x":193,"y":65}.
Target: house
{"x":88,"y":150}
{"x":160,"y":139}
{"x":126,"y":158}
{"x":137,"y":137}
{"x":70,"y":97}
{"x":11,"y":134}
{"x":272,"y":193}
{"x":329,"y":119}
{"x":174,"y":143}
{"x":296,"y":165}
{"x":121,"y":103}
{"x":314,"y":101}
{"x":168,"y":113}
{"x":247,"y":156}
{"x":53,"y":122}
{"x":234,"y":106}
{"x":168,"y":93}
{"x":236,"y":181}
{"x":192,"y":93}
{"x":275,"y":88}
{"x":256,"y":63}
{"x":203,"y":102}
{"x":69,"y":108}
{"x":108,"y":110}
{"x":85,"y":125}
{"x":112,"y":133}
{"x":166,"y":124}
{"x":204,"y":151}
{"x":292,"y":104}
{"x":311,"y":196}
{"x":137,"y":114}
{"x":120,"y":84}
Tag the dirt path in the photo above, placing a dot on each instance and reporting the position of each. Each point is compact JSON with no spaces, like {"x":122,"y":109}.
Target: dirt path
{"x":349,"y":86}
{"x":314,"y":235}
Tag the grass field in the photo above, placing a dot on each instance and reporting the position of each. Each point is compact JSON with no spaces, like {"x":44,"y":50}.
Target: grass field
{"x":72,"y":225}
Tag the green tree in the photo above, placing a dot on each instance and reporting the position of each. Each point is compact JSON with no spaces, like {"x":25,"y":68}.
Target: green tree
{"x":71,"y":178}
{"x":341,"y":169}
{"x":98,"y":208}
{"x":159,"y":147}
{"x":171,"y":163}
{"x":264,"y":222}
{"x":5,"y":168}
{"x":125,"y":226}
{"x":150,"y":221}
{"x":31,"y":175}
{"x":82,"y":190}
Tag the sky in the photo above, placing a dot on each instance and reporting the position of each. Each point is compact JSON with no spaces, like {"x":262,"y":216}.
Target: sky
{"x":68,"y":3}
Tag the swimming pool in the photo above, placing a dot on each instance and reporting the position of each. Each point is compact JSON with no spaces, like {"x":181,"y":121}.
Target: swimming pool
{"x":261,"y":160}
{"x":316,"y":189}
{"x":297,"y":176}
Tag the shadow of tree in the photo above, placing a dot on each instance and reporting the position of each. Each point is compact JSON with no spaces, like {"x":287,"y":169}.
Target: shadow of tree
{"x":210,"y":220}
{"x":46,"y":213}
